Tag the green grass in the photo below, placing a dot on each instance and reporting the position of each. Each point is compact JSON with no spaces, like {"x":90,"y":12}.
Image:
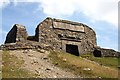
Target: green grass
{"x":106,"y":61}
{"x":12,"y":67}
{"x":0,"y":64}
{"x":77,"y":65}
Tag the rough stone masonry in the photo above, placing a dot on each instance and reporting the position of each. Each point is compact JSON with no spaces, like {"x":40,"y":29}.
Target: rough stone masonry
{"x":72,"y":37}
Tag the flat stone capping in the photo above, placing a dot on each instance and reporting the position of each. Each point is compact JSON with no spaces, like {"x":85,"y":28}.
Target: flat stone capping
{"x":68,"y":22}
{"x":62,"y":25}
{"x":25,"y":45}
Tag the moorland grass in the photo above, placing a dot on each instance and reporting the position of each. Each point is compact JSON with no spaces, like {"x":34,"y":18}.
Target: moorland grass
{"x":12,"y":67}
{"x":77,"y":65}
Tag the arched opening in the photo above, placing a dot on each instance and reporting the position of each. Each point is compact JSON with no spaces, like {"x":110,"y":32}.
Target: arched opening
{"x":97,"y":53}
{"x":73,"y":49}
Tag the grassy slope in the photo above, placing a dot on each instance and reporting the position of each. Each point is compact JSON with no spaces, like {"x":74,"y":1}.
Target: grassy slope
{"x":78,"y":64}
{"x":12,"y":67}
{"x":0,"y":64}
{"x":106,"y":61}
{"x":12,"y":64}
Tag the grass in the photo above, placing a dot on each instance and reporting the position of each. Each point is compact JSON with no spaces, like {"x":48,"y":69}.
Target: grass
{"x":77,"y":65}
{"x":106,"y":61}
{"x":12,"y":67}
{"x":0,"y":64}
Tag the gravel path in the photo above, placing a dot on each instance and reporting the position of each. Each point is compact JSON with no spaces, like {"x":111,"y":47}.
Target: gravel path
{"x":39,"y":63}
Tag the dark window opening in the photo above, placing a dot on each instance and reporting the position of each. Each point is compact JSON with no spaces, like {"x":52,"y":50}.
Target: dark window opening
{"x":73,"y":49}
{"x":97,"y":53}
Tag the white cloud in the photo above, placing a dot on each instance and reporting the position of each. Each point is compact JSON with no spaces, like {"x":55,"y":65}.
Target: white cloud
{"x":4,"y":3}
{"x":105,"y":10}
{"x":58,"y":8}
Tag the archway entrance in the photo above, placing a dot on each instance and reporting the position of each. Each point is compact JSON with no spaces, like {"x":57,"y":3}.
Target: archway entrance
{"x":73,"y":49}
{"x":97,"y":53}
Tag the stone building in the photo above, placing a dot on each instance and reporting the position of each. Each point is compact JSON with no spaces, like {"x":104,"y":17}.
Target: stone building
{"x":69,"y":36}
{"x":72,"y":37}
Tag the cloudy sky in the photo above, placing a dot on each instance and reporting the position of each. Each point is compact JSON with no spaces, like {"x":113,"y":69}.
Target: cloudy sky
{"x":101,"y":15}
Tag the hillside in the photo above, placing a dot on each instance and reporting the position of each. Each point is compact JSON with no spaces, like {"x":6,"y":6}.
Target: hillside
{"x":33,"y":64}
{"x":52,"y":64}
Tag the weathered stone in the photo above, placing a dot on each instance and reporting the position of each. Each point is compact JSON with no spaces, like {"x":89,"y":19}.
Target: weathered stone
{"x":86,"y":69}
{"x":65,"y":32}
{"x":48,"y":69}
{"x":73,"y":37}
{"x":42,"y":50}
{"x":102,"y":52}
{"x":17,"y":34}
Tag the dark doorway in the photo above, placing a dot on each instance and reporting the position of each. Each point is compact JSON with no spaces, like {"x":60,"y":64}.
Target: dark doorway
{"x":73,"y":49}
{"x":97,"y":53}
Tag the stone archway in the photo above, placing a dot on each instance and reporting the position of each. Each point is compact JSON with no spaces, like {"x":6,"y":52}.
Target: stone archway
{"x":97,"y":53}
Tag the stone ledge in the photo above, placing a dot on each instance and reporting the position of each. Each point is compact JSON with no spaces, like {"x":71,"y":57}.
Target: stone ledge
{"x":25,"y":45}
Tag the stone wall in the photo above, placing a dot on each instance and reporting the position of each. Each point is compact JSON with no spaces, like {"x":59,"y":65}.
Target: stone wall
{"x":25,"y":45}
{"x":106,"y":52}
{"x":17,"y":34}
{"x":56,"y":32}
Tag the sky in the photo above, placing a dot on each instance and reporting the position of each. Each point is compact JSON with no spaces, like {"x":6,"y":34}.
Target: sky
{"x":100,"y":15}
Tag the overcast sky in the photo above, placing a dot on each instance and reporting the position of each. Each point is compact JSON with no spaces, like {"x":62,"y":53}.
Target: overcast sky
{"x":101,"y":15}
